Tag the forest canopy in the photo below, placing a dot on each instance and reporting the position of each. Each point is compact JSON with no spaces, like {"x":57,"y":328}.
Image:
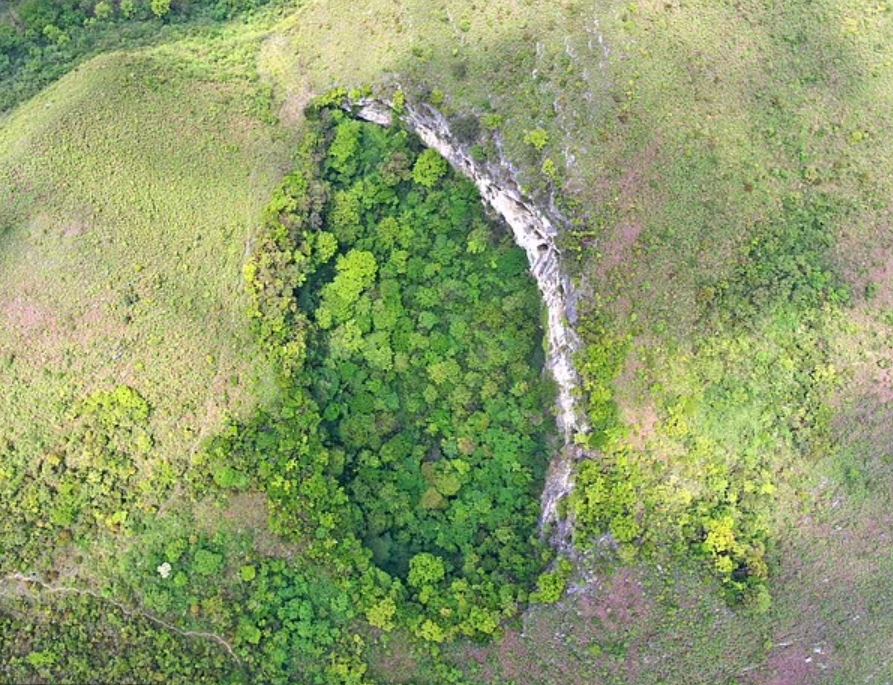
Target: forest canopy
{"x":411,"y":446}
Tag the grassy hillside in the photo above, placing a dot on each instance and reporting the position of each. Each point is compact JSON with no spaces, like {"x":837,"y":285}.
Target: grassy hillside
{"x":130,"y":189}
{"x":725,"y":170}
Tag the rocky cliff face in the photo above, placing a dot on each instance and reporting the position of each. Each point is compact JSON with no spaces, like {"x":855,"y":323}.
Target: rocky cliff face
{"x":536,"y":234}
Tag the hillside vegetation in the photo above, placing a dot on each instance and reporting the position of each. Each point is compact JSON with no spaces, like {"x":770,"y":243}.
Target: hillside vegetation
{"x":272,"y":401}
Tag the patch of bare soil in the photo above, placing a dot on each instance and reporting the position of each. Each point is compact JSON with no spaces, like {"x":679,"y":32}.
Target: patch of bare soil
{"x":557,"y":642}
{"x":246,"y":513}
{"x":76,"y":223}
{"x":829,"y":578}
{"x":397,"y":665}
{"x":863,"y":408}
{"x":291,"y":112}
{"x":617,"y":246}
{"x":834,"y":559}
{"x":795,"y":665}
{"x":47,"y":333}
{"x":28,"y":317}
{"x":865,"y":259}
{"x":636,"y":407}
{"x":618,"y":604}
{"x":516,"y":659}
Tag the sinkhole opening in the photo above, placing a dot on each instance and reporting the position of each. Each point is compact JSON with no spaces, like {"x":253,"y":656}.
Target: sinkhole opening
{"x":424,"y":356}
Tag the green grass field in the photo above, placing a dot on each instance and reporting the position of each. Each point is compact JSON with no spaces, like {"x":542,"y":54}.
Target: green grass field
{"x":725,"y":169}
{"x":131,"y":188}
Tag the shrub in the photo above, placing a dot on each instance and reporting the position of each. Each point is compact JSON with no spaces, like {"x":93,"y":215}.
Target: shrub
{"x":344,"y":148}
{"x":103,"y":10}
{"x":429,"y":168}
{"x":538,"y":138}
{"x":128,"y":8}
{"x":493,"y":122}
{"x":160,"y":8}
{"x":426,"y":569}
{"x":381,"y":615}
{"x":551,"y":586}
{"x":550,"y":170}
{"x":55,"y":35}
{"x":399,"y":103}
{"x":206,"y":563}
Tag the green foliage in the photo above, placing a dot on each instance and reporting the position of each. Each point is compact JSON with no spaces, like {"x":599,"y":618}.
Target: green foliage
{"x":206,"y":563}
{"x":414,"y":365}
{"x":550,"y":170}
{"x":429,"y":168}
{"x":227,"y":477}
{"x":729,"y":423}
{"x":430,"y":631}
{"x":609,"y":498}
{"x":103,"y":10}
{"x":600,"y":363}
{"x":381,"y":615}
{"x":277,"y":269}
{"x":551,"y":586}
{"x":128,"y":8}
{"x":344,"y":148}
{"x":335,"y":97}
{"x":356,"y":273}
{"x":56,"y":35}
{"x":493,"y":122}
{"x":399,"y":102}
{"x":93,"y":479}
{"x":284,"y":621}
{"x":705,"y":139}
{"x":40,"y":40}
{"x":160,"y":8}
{"x":38,"y":659}
{"x":425,"y":569}
{"x":537,"y":138}
{"x":78,"y":638}
{"x":787,"y":263}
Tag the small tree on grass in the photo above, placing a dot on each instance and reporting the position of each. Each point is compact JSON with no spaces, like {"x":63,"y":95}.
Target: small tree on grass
{"x":537,"y":138}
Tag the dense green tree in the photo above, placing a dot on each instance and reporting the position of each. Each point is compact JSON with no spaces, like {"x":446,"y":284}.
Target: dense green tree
{"x":429,"y":168}
{"x":160,"y":8}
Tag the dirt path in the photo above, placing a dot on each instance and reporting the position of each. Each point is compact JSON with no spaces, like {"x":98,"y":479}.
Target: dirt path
{"x":26,"y":582}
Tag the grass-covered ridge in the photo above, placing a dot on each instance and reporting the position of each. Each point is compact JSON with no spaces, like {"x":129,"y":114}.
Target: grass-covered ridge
{"x":41,"y":40}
